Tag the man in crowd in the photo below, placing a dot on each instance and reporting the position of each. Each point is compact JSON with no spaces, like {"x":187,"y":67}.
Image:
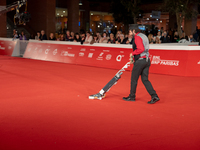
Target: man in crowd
{"x":165,"y":38}
{"x":15,"y":35}
{"x":43,"y":36}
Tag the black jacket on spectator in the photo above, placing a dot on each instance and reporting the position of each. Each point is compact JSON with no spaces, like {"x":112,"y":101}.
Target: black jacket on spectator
{"x":175,"y":40}
{"x":67,"y":38}
{"x":122,"y":42}
{"x":77,"y":40}
{"x":82,"y":40}
{"x":165,"y":39}
{"x":52,"y":39}
{"x":111,"y":41}
{"x":43,"y":37}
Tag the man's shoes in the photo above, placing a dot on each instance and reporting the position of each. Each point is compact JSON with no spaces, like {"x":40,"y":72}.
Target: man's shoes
{"x":128,"y":98}
{"x":153,"y":100}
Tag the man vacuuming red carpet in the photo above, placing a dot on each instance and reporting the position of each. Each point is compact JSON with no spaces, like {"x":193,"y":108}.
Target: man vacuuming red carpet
{"x":141,"y":66}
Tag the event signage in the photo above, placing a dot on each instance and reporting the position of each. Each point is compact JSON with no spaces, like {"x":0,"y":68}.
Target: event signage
{"x":79,"y":54}
{"x":163,"y":61}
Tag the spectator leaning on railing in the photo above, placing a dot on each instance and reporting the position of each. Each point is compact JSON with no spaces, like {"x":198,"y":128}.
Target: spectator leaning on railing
{"x":15,"y":35}
{"x":94,"y":40}
{"x":61,"y":37}
{"x":104,"y":38}
{"x":122,"y":40}
{"x":151,"y":39}
{"x":176,"y":37}
{"x":88,"y":38}
{"x":51,"y":37}
{"x":157,"y":41}
{"x":165,"y":38}
{"x":111,"y":40}
{"x":37,"y":37}
{"x":22,"y":36}
{"x":68,"y":36}
{"x":77,"y":38}
{"x":158,"y":34}
{"x":98,"y":36}
{"x":72,"y":36}
{"x":82,"y":38}
{"x":191,"y":39}
{"x":43,"y":36}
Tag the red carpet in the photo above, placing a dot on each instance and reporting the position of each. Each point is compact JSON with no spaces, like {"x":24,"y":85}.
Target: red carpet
{"x":45,"y":106}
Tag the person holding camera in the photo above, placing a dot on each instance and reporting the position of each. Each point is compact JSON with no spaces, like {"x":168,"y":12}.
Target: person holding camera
{"x":165,"y":38}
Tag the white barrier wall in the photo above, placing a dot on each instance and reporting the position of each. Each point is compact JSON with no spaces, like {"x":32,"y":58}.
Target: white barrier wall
{"x":173,"y":58}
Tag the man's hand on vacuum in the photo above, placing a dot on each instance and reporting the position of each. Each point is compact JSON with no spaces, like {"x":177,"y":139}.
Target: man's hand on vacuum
{"x":131,"y":58}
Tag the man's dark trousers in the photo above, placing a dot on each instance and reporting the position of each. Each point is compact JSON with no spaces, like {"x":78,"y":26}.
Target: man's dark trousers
{"x":141,"y":67}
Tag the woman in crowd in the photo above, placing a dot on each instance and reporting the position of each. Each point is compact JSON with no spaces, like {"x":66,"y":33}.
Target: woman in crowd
{"x":37,"y":36}
{"x":72,"y":36}
{"x":68,"y":36}
{"x":51,"y":37}
{"x":95,"y":40}
{"x":151,"y":39}
{"x":118,"y":35}
{"x":22,"y":36}
{"x":158,"y":34}
{"x":98,"y":36}
{"x":61,"y":37}
{"x":104,"y":39}
{"x":77,"y":38}
{"x":176,"y":37}
{"x":122,"y":40}
{"x":157,"y":41}
{"x":111,"y":40}
{"x":88,"y":38}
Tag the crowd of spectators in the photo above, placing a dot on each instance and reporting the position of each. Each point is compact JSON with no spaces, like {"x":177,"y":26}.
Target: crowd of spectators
{"x":156,"y":37}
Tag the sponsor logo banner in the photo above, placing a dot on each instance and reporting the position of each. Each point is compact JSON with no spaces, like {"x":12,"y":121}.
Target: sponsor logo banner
{"x":171,"y":62}
{"x":157,"y":60}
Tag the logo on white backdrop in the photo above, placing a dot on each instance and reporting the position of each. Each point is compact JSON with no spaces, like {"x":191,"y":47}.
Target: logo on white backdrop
{"x":90,"y":55}
{"x":108,"y":57}
{"x":198,"y":62}
{"x":82,"y":49}
{"x":47,"y":51}
{"x":65,"y":53}
{"x":81,"y":54}
{"x":119,"y":57}
{"x":156,"y":60}
{"x":29,"y":49}
{"x":55,"y":52}
{"x":100,"y":57}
